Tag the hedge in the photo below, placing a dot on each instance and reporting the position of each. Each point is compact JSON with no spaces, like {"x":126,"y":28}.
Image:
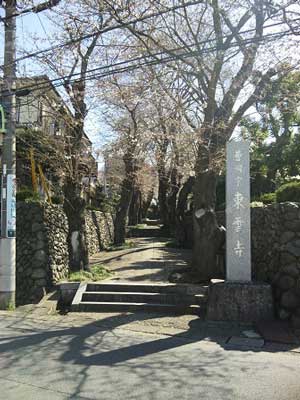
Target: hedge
{"x":288,"y":192}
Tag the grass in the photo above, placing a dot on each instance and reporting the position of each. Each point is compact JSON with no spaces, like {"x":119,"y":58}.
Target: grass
{"x":11,"y":306}
{"x":127,"y":245}
{"x":140,"y":226}
{"x":97,"y":273}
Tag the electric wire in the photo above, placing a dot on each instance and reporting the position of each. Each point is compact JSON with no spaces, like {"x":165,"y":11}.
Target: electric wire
{"x":124,"y":67}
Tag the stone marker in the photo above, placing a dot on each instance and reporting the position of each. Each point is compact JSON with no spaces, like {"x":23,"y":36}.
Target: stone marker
{"x":238,"y":241}
{"x":238,"y":299}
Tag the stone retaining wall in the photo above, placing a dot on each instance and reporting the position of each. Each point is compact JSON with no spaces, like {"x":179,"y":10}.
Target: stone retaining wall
{"x":276,"y":255}
{"x":275,"y":231}
{"x":99,"y":231}
{"x":42,"y":249}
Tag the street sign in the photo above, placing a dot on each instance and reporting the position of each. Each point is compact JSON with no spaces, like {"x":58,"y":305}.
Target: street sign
{"x":11,"y":205}
{"x":2,"y":120}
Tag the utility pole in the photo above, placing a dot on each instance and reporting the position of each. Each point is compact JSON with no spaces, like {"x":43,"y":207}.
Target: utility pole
{"x":8,"y":167}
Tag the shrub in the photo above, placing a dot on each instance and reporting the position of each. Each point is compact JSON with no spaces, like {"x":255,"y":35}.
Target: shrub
{"x":268,"y":198}
{"x":256,"y":204}
{"x":288,"y":192}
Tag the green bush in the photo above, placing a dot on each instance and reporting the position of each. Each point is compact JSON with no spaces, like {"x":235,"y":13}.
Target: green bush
{"x":268,"y":198}
{"x":25,"y":194}
{"x":288,"y":192}
{"x":256,"y":204}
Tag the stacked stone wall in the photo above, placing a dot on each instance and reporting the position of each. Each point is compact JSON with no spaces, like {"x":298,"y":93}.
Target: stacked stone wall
{"x":99,"y":231}
{"x":275,"y":231}
{"x":276,"y":255}
{"x":42,"y":252}
{"x":275,"y":234}
{"x":42,"y":246}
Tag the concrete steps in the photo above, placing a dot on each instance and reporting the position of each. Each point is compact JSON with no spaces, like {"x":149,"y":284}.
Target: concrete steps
{"x":128,"y":297}
{"x":153,"y":298}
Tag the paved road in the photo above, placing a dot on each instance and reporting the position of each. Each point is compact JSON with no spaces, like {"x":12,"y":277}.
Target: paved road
{"x":39,"y":360}
{"x":149,"y":261}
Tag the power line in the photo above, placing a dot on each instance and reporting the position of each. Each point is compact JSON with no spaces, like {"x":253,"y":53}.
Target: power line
{"x":125,"y":24}
{"x":36,"y":9}
{"x":108,"y":29}
{"x":123,"y":66}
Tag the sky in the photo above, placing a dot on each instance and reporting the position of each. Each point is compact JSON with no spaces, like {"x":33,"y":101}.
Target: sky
{"x":38,"y":25}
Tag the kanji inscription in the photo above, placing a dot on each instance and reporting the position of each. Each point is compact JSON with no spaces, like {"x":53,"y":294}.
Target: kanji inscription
{"x":238,"y":241}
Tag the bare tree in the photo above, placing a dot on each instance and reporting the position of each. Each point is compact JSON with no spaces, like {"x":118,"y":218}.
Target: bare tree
{"x":71,"y":63}
{"x":215,"y":47}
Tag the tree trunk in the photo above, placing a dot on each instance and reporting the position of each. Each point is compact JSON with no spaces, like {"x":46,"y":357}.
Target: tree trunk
{"x":163,"y":186}
{"x":122,"y":212}
{"x":181,"y":228}
{"x":172,"y":198}
{"x":146,"y":204}
{"x":125,"y":199}
{"x":74,"y":207}
{"x":135,"y":208}
{"x":208,"y":236}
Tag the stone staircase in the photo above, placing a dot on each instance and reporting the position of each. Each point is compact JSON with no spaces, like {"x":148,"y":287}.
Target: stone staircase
{"x":145,"y":297}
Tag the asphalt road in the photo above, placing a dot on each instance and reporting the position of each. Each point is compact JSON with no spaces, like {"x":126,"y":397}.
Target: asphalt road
{"x":91,"y":362}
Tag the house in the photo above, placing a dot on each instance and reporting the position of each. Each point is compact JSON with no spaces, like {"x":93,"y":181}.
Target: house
{"x":40,"y":108}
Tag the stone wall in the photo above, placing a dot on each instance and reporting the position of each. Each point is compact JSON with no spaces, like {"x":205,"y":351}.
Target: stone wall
{"x":275,"y":231}
{"x":99,"y":231}
{"x":276,"y":255}
{"x":42,"y":249}
{"x":42,"y":252}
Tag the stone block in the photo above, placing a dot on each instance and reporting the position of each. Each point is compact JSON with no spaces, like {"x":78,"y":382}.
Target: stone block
{"x":286,"y":237}
{"x":239,"y":301}
{"x":294,"y":248}
{"x":290,"y":300}
{"x":286,"y":282}
{"x":246,"y":342}
{"x":39,"y":273}
{"x":292,"y":270}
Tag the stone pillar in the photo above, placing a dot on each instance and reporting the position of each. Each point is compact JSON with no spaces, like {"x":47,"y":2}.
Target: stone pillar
{"x":238,"y":238}
{"x":238,"y":299}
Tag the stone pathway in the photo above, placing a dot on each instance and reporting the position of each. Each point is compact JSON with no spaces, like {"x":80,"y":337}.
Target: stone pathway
{"x":148,"y":261}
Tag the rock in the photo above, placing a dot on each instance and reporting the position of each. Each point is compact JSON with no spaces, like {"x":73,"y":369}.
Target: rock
{"x":293,"y":248}
{"x":39,"y":245}
{"x":287,"y":258}
{"x":40,"y":255}
{"x":296,"y":321}
{"x":39,"y":273}
{"x":286,"y":237}
{"x":293,"y":226}
{"x":292,"y":270}
{"x":36,"y":227}
{"x":41,"y":282}
{"x":286,"y":282}
{"x":283,"y":314}
{"x":290,"y":300}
